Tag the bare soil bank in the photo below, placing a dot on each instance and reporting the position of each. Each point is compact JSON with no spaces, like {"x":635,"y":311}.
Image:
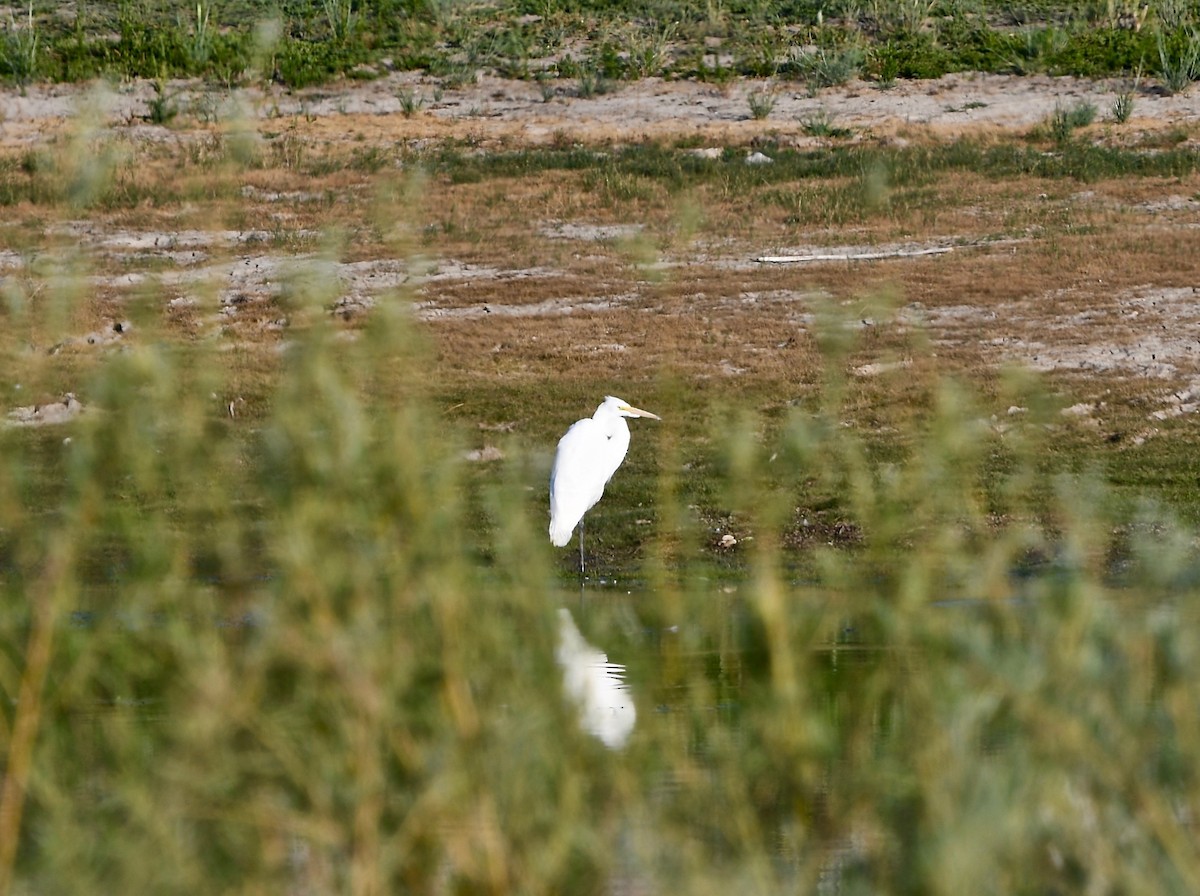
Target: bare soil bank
{"x":520,"y":112}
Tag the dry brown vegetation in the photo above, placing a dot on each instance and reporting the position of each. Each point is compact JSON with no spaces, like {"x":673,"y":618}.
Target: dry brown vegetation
{"x":595,"y":279}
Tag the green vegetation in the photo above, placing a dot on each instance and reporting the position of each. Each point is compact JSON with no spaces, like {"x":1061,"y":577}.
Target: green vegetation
{"x":306,"y":648}
{"x":19,"y":48}
{"x":1179,"y":64}
{"x":410,"y":103}
{"x":892,"y":621}
{"x":821,"y":124}
{"x":269,"y":629}
{"x":1065,"y":119}
{"x":762,"y":103}
{"x":908,"y":166}
{"x":1122,"y":107}
{"x":304,"y":42}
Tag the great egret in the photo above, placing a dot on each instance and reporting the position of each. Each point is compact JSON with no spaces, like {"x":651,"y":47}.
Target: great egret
{"x":596,"y":686}
{"x":586,"y":459}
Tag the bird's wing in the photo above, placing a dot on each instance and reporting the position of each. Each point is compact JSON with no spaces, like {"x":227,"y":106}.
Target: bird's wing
{"x":577,"y":480}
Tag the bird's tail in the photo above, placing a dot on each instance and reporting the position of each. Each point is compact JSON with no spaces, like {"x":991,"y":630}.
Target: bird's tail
{"x":560,"y":533}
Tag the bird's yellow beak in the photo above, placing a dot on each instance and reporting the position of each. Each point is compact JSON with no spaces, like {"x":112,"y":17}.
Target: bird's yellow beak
{"x":638,"y":412}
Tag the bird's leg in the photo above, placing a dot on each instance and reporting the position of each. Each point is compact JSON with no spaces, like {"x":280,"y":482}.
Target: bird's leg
{"x":581,"y":548}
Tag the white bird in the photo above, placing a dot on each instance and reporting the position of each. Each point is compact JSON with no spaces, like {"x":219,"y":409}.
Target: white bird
{"x":588,"y":455}
{"x":596,"y":686}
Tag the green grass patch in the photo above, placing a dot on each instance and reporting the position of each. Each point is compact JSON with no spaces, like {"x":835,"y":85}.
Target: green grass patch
{"x":306,"y":43}
{"x":677,"y":168}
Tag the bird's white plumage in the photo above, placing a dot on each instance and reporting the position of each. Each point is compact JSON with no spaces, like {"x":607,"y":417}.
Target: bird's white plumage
{"x":588,"y":455}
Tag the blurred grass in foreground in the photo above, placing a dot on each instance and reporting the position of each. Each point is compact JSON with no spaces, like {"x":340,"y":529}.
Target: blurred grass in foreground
{"x":273,"y":660}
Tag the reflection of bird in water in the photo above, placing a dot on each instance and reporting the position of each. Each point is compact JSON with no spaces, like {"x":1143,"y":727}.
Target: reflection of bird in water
{"x":588,"y":455}
{"x":595,"y":686}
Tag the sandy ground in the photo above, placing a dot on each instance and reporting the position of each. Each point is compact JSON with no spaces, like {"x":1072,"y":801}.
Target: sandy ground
{"x":517,"y":111}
